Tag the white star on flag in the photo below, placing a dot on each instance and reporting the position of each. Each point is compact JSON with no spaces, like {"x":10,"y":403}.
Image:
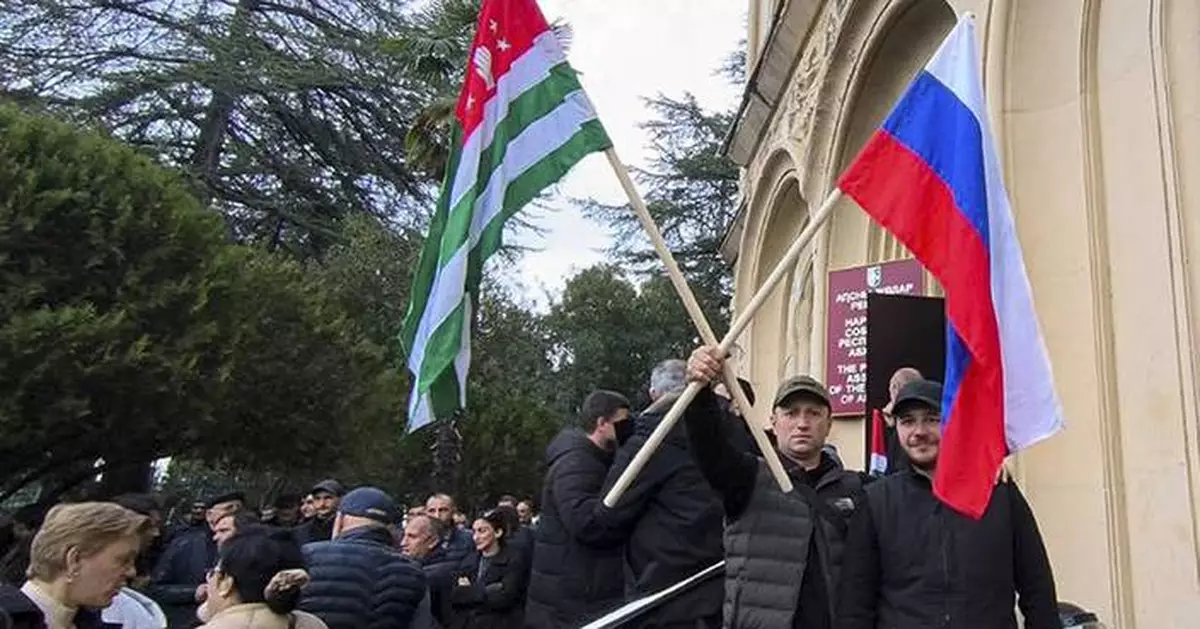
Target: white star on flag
{"x":503,"y":45}
{"x":493,"y":25}
{"x":470,"y":101}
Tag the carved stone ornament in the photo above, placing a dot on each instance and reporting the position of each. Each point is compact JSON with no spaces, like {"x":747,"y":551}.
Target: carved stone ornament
{"x":793,"y":119}
{"x":803,"y":94}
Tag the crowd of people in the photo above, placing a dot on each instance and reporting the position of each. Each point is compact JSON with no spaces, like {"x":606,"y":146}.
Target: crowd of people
{"x":843,"y":550}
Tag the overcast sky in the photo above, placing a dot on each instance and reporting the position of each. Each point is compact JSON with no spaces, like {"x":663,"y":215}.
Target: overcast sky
{"x":626,"y":50}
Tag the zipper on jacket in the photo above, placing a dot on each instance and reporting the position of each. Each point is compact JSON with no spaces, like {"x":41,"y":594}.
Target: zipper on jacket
{"x":945,"y":566}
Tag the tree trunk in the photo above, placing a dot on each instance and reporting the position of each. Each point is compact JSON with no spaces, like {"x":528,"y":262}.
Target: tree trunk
{"x":447,"y":453}
{"x":211,"y":142}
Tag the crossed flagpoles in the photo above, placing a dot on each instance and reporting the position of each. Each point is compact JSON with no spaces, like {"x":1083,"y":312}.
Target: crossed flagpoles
{"x":706,"y":333}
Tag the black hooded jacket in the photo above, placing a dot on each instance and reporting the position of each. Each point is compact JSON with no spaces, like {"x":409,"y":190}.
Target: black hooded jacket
{"x":577,"y":573}
{"x":675,"y":519}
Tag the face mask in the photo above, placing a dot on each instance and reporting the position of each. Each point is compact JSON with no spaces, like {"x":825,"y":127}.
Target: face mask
{"x":623,"y":431}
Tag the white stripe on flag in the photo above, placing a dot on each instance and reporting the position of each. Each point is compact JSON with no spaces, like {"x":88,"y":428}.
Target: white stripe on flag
{"x":526,"y":72}
{"x":1032,"y":410}
{"x":533,"y":144}
{"x":878,"y":463}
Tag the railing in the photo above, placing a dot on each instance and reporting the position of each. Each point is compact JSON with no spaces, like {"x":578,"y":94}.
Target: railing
{"x":635,"y":609}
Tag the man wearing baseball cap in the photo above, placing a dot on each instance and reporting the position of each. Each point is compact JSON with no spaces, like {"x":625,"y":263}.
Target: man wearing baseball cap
{"x":912,"y":562}
{"x":358,"y":579}
{"x":782,"y":551}
{"x":326,"y":494}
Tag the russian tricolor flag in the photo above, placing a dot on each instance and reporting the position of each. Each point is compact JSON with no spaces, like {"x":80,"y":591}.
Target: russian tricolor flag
{"x":877,"y":466}
{"x":930,"y":176}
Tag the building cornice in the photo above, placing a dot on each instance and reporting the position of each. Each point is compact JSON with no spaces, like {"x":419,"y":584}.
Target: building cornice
{"x":769,"y":80}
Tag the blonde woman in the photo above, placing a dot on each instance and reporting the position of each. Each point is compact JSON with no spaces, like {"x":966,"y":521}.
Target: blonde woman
{"x":81,"y":557}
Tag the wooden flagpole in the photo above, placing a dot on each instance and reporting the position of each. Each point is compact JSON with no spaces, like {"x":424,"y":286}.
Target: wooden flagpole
{"x":735,"y":330}
{"x":698,"y":318}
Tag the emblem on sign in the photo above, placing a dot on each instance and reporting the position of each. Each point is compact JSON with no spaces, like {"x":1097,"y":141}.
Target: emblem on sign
{"x":874,"y":276}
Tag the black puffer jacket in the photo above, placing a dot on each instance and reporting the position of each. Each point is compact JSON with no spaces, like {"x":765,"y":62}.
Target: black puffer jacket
{"x":783,"y":551}
{"x":913,"y":563}
{"x":577,"y":571}
{"x":359,"y":582}
{"x":676,"y":519}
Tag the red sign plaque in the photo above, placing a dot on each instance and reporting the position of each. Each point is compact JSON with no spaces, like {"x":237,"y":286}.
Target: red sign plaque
{"x":846,"y":330}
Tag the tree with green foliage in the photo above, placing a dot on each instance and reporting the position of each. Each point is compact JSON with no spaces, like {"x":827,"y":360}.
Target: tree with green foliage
{"x":130,"y":329}
{"x":286,"y":115}
{"x":691,"y":190}
{"x":608,"y":332}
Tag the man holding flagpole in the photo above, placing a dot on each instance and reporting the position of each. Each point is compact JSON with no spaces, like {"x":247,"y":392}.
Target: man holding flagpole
{"x":783,"y":551}
{"x":948,"y":543}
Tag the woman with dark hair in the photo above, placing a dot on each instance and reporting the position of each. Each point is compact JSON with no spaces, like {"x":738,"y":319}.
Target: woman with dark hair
{"x":256,"y":584}
{"x":489,"y":590}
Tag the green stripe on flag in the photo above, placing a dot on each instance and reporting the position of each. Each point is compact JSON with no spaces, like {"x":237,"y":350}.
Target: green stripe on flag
{"x":589,"y":139}
{"x":427,"y":264}
{"x":535,"y":104}
{"x":444,"y":342}
{"x":535,"y":154}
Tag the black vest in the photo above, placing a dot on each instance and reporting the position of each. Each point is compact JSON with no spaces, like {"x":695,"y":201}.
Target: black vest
{"x":766,"y":548}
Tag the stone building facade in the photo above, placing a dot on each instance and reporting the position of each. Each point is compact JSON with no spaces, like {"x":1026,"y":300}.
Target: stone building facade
{"x":1096,"y":110}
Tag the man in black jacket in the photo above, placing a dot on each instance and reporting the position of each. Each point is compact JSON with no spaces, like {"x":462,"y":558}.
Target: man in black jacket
{"x":327,"y":495}
{"x":577,"y":573}
{"x":913,"y":563}
{"x":357,"y":580}
{"x":674,"y":516}
{"x":456,"y":542}
{"x":175,"y":583}
{"x":782,"y":551}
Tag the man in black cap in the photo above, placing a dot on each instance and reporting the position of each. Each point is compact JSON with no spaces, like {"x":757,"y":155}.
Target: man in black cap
{"x":358,"y":579}
{"x":912,"y":562}
{"x":175,"y":583}
{"x":782,"y":551}
{"x":327,"y":495}
{"x":285,"y":512}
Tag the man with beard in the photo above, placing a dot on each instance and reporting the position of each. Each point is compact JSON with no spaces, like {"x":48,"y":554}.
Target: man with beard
{"x":912,"y":562}
{"x":577,"y":571}
{"x":456,"y":542}
{"x":327,"y":495}
{"x":782,"y":551}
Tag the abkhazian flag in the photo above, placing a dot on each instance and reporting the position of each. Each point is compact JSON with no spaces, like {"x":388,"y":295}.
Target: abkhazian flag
{"x":931,"y":176}
{"x":522,"y":121}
